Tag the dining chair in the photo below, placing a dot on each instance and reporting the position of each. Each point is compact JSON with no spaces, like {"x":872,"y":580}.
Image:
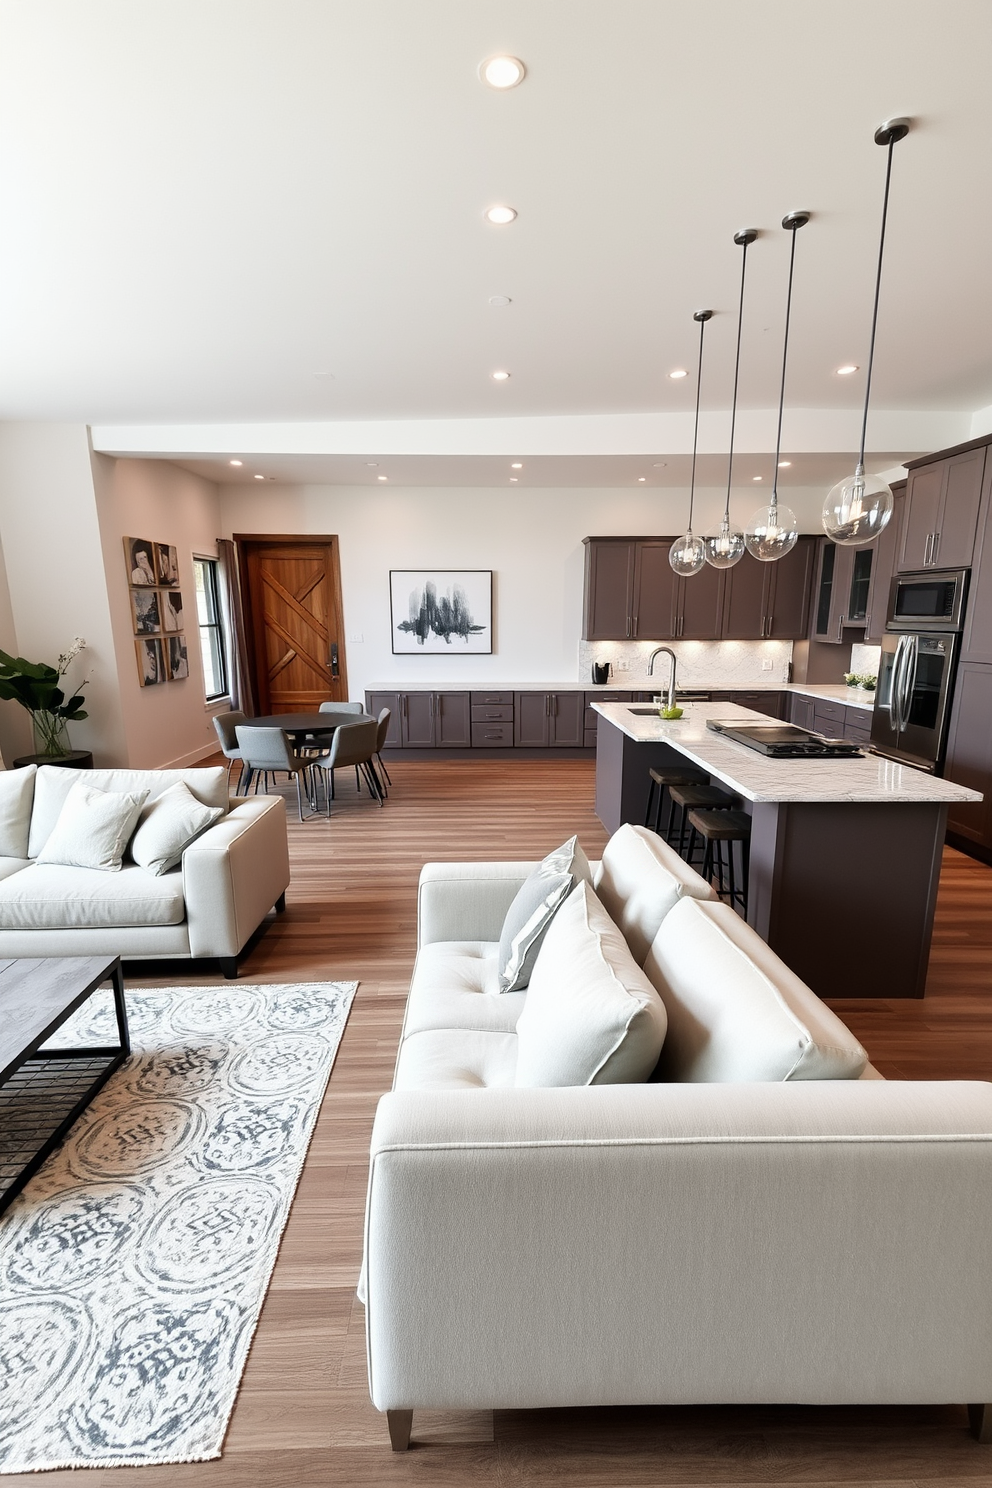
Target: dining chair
{"x":267,"y":751}
{"x":226,"y":725}
{"x":382,"y":729}
{"x":332,"y":707}
{"x":353,"y":744}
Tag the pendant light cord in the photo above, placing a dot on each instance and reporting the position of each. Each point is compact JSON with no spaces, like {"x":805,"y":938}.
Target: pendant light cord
{"x":785,"y":353}
{"x":695,"y":428}
{"x":874,"y":313}
{"x":737,"y":371}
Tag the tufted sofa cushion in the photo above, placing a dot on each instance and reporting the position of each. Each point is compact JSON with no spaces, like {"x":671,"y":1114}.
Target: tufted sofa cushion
{"x":456,"y":985}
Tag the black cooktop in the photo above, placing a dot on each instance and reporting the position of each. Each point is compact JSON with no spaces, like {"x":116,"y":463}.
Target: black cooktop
{"x":784,"y":740}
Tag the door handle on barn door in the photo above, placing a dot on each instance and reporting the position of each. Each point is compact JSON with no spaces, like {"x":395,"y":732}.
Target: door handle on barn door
{"x":335,"y":669}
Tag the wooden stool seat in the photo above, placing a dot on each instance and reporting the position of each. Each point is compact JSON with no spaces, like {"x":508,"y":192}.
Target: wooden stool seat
{"x":715,"y":828}
{"x":686,"y":796}
{"x":668,"y":775}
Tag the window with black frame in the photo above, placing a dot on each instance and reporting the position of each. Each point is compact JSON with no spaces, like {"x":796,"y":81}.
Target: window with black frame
{"x":211,"y":622}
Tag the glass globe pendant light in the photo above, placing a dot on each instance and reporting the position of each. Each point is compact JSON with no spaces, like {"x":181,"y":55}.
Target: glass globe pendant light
{"x":726,"y":547}
{"x":858,"y":507}
{"x":774,"y":531}
{"x":687,"y":555}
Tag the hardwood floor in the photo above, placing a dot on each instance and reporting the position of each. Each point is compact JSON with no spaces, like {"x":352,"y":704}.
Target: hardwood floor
{"x":303,"y":1416}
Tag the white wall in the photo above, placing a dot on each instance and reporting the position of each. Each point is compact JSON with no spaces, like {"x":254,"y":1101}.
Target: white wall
{"x":54,"y":561}
{"x":532,"y":539}
{"x":168,"y":724}
{"x":15,"y":723}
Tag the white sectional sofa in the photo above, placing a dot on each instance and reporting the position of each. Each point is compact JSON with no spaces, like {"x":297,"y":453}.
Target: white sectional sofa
{"x":208,"y":906}
{"x":764,"y":1221}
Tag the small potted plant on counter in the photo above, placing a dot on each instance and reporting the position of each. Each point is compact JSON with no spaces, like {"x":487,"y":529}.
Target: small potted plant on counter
{"x":860,"y":681}
{"x":37,"y":687}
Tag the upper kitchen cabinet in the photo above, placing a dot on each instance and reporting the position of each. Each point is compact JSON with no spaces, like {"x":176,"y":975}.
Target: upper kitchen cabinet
{"x":941,"y":517}
{"x":770,"y":600}
{"x":883,"y":567}
{"x":699,"y":603}
{"x":630,"y":589}
{"x":843,"y":583}
{"x":976,"y":643}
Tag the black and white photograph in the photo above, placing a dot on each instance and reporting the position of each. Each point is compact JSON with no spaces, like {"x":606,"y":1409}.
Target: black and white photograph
{"x":438,"y":612}
{"x":151,"y":662}
{"x":145,"y":609}
{"x":170,"y":604}
{"x":167,"y":563}
{"x":140,"y":554}
{"x":177,"y":657}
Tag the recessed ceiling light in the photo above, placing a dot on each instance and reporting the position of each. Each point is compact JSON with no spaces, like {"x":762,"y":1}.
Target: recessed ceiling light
{"x":756,"y":477}
{"x":642,"y":477}
{"x":502,"y":72}
{"x":784,"y":464}
{"x":500,"y":376}
{"x":372,"y":464}
{"x":846,"y":370}
{"x":513,"y":480}
{"x":679,"y":372}
{"x":660,"y":465}
{"x":500,"y":216}
{"x":499,"y":301}
{"x":235,"y":462}
{"x":260,"y":477}
{"x":382,"y":477}
{"x":517,"y":465}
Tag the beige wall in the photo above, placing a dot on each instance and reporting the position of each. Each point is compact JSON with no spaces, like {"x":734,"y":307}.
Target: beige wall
{"x":168,"y":724}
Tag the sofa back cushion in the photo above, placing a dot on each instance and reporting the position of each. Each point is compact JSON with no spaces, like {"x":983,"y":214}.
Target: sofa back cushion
{"x":736,"y":1013}
{"x":16,"y":798}
{"x":208,"y":785}
{"x":591,"y":1017}
{"x":639,"y":880}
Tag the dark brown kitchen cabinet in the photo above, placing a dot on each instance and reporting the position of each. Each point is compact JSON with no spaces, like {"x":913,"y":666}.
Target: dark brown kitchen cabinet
{"x":843,"y":583}
{"x":435,"y":720}
{"x":374,"y":704}
{"x":630,"y":589}
{"x":942,"y":501}
{"x":772,"y":704}
{"x":976,"y":643}
{"x":699,"y":602}
{"x":549,"y":720}
{"x":802,"y":710}
{"x":656,"y":586}
{"x":770,"y":600}
{"x":883,"y":567}
{"x":969,"y":753}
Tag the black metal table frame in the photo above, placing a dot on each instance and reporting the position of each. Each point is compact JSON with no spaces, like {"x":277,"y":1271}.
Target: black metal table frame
{"x":115,"y":1054}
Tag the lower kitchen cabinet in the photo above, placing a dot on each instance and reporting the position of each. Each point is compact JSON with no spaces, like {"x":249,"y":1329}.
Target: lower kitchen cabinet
{"x":374,"y":704}
{"x":802,"y":711}
{"x":549,"y":720}
{"x":425,"y":720}
{"x":772,"y":703}
{"x":969,"y":752}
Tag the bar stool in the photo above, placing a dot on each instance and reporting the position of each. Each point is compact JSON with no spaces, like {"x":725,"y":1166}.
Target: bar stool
{"x":659,"y":779}
{"x":716,"y":828}
{"x":686,"y":796}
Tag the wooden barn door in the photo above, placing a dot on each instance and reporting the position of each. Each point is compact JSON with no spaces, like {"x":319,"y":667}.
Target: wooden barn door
{"x":293,"y":615}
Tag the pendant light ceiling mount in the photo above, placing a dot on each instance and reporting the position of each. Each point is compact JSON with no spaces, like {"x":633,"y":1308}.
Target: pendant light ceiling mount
{"x":859,"y":507}
{"x":687,"y":555}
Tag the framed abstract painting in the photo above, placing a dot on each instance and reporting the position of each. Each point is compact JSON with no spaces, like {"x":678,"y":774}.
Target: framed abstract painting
{"x":441,"y":612}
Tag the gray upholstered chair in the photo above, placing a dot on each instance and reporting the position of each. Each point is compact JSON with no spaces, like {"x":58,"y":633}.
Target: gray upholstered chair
{"x":332,"y":707}
{"x":382,"y":729}
{"x":353,"y":744}
{"x":267,"y":751}
{"x":226,"y":725}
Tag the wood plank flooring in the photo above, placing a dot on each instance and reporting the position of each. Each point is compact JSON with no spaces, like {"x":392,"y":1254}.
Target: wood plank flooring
{"x":303,"y":1417}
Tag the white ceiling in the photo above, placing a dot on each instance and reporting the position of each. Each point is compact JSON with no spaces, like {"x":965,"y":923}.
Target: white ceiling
{"x":205,"y":205}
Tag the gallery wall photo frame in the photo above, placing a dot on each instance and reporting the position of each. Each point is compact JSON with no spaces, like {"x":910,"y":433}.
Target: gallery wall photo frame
{"x":151,"y":660}
{"x":441,"y":611}
{"x":157,"y":611}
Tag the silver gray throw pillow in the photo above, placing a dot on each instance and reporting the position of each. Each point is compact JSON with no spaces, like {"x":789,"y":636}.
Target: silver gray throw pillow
{"x":533,"y":908}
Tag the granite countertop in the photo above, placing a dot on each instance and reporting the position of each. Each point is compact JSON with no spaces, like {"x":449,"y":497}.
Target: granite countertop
{"x":758,"y":778}
{"x":833,"y":693}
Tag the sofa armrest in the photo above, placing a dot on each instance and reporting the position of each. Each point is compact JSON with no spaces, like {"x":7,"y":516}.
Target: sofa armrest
{"x":233,"y":875}
{"x":466,"y":901}
{"x":818,"y":1242}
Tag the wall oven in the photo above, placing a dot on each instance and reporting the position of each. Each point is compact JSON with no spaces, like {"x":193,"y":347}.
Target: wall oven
{"x":928,"y":601}
{"x":913,"y":696}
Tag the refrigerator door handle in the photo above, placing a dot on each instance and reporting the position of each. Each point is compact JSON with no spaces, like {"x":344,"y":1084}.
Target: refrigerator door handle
{"x":895,"y":682}
{"x":908,"y":681}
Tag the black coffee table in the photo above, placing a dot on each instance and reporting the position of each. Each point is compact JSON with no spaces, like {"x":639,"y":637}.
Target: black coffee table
{"x":42,"y":1091}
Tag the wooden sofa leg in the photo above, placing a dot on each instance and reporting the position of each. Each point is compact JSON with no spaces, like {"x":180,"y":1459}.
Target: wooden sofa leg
{"x":229,"y":966}
{"x":980,"y":1421}
{"x":281,"y":904}
{"x":400,"y":1424}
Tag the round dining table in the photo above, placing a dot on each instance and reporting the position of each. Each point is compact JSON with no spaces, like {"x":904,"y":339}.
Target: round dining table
{"x":307,"y":723}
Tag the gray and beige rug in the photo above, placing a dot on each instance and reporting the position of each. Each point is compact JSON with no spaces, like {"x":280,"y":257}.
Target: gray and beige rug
{"x":134,"y":1266}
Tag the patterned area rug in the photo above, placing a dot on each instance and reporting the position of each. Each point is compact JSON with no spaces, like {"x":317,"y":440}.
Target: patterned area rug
{"x":134,"y":1266}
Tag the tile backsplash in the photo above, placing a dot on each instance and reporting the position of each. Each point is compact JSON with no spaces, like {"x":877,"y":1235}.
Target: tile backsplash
{"x":700,"y":663}
{"x":865,"y":660}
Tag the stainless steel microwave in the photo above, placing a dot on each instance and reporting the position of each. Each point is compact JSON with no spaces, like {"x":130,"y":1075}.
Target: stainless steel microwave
{"x":927,"y":601}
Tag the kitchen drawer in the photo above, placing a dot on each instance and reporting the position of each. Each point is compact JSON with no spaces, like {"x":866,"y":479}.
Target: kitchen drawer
{"x":492,"y":713}
{"x":857,"y":722}
{"x":835,"y":712}
{"x":492,"y":735}
{"x":610,"y":695}
{"x":506,"y":698}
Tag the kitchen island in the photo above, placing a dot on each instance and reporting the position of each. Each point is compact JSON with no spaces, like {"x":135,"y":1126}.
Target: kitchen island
{"x":845,"y":853}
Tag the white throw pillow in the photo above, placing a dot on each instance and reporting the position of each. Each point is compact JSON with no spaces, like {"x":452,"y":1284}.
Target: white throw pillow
{"x":534,"y":907}
{"x":93,"y":828}
{"x":591,"y":1016}
{"x":167,"y":826}
{"x":16,"y":796}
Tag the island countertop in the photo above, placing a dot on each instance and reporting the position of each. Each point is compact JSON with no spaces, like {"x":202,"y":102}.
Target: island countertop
{"x":759,"y":778}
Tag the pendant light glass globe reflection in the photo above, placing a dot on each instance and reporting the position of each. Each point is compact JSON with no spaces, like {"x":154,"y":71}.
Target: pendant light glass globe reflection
{"x":857,"y":509}
{"x":687,"y":555}
{"x":726,"y":547}
{"x":771,"y":533}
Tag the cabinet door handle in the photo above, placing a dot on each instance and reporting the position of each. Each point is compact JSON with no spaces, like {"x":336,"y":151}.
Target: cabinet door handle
{"x":840,"y":627}
{"x":547,"y":705}
{"x":628,"y":627}
{"x":770,"y":624}
{"x":936,"y":545}
{"x":926,"y":551}
{"x":405,"y":701}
